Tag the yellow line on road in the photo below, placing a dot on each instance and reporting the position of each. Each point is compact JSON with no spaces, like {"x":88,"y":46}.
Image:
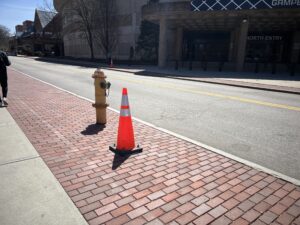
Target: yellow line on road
{"x":212,"y":94}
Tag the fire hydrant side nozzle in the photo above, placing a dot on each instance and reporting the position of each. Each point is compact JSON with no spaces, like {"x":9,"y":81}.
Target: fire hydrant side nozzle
{"x":101,"y":92}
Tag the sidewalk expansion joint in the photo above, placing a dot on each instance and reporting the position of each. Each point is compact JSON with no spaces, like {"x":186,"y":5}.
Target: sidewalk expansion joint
{"x":19,"y":160}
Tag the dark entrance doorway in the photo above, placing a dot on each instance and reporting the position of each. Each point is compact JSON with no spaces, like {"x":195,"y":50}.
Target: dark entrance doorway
{"x":208,"y":46}
{"x":268,"y":48}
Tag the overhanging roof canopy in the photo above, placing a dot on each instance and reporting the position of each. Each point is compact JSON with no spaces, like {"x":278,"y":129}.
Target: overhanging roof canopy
{"x":215,"y":5}
{"x":179,"y":14}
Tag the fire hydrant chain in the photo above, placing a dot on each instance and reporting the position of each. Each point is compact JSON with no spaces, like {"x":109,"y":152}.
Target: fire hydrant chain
{"x":108,"y":88}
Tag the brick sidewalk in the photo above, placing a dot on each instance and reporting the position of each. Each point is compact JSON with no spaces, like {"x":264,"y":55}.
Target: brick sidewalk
{"x":171,"y":182}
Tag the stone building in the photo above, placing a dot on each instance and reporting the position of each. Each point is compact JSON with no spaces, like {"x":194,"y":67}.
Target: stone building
{"x":47,"y":33}
{"x":129,"y":15}
{"x":233,"y":34}
{"x":39,"y":37}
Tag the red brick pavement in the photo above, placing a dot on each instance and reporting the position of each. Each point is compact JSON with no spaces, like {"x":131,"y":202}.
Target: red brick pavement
{"x":171,"y":182}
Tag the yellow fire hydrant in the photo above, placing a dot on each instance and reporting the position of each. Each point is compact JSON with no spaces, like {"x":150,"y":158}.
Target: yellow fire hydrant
{"x":101,"y":89}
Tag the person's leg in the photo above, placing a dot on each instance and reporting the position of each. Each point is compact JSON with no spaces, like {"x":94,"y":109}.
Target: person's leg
{"x":1,"y":96}
{"x":3,"y":82}
{"x":4,"y":87}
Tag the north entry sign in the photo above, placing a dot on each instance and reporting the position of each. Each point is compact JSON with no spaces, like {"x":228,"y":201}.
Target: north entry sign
{"x":216,"y":5}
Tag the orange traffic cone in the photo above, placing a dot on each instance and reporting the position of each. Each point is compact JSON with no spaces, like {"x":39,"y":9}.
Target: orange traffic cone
{"x":125,"y":140}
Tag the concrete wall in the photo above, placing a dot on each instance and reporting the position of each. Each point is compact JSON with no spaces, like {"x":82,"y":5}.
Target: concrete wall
{"x":129,"y":13}
{"x":128,"y":33}
{"x":76,"y":46}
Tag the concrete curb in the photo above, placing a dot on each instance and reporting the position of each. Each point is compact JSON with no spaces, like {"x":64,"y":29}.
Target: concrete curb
{"x":282,"y":89}
{"x":218,"y":81}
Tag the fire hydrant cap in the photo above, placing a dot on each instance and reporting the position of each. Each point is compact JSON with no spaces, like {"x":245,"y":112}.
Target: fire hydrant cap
{"x":98,"y":74}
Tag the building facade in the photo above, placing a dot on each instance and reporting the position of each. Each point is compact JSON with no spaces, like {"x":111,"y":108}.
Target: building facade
{"x":39,"y":37}
{"x":231,"y":32}
{"x":129,"y":15}
{"x":234,"y":35}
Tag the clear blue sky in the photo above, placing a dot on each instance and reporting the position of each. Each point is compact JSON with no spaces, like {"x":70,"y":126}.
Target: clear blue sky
{"x":14,"y":12}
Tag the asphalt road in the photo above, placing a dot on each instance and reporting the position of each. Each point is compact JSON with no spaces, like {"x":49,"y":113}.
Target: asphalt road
{"x":260,"y":126}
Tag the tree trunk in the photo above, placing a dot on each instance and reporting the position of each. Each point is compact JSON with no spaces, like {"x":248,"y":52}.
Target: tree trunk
{"x":91,"y":44}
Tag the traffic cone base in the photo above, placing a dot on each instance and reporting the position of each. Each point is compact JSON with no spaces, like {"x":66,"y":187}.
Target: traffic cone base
{"x":134,"y":151}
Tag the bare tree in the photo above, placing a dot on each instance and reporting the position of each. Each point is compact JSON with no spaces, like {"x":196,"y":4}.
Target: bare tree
{"x":4,"y":37}
{"x":85,"y":12}
{"x":105,"y":26}
{"x":96,"y":20}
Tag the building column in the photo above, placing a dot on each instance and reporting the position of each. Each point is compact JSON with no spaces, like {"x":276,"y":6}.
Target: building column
{"x":295,"y":48}
{"x":242,"y":42}
{"x":179,"y":37}
{"x":162,"y":54}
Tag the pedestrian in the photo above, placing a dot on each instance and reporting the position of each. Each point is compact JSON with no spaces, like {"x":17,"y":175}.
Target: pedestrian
{"x":4,"y":62}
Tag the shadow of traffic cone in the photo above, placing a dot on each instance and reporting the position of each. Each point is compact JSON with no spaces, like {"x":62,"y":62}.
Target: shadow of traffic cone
{"x":125,"y":140}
